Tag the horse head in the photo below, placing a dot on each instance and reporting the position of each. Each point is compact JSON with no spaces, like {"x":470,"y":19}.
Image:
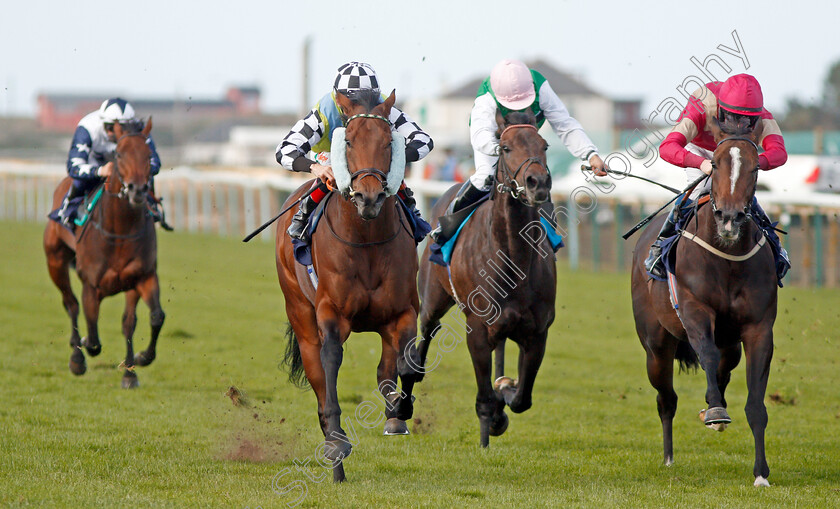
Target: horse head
{"x":369,"y":150}
{"x":734,"y":178}
{"x":522,"y":170}
{"x":132,"y":164}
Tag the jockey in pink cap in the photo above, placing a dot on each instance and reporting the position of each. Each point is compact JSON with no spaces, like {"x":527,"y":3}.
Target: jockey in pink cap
{"x":738,"y":106}
{"x":511,"y":86}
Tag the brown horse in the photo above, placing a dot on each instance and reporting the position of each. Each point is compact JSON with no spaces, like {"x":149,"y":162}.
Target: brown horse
{"x":726,"y":293}
{"x":516,"y":299}
{"x":366,"y":264}
{"x":116,"y":251}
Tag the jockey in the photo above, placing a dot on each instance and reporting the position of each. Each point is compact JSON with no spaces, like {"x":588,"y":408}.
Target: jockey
{"x":737,"y":105}
{"x":314,"y":133}
{"x":93,"y":141}
{"x":511,"y":86}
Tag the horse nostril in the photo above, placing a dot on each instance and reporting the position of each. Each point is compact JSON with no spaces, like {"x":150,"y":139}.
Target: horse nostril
{"x":718,"y":215}
{"x":130,"y":186}
{"x":739,"y":217}
{"x":144,"y":188}
{"x":531,"y":182}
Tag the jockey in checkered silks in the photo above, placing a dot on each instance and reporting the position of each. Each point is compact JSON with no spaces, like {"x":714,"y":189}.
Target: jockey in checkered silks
{"x":314,"y":134}
{"x":93,"y":144}
{"x":737,"y":105}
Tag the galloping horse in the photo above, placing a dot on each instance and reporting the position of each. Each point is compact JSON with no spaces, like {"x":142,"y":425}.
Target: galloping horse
{"x":726,"y":293}
{"x":522,"y":276}
{"x":366,"y":263}
{"x":116,"y":251}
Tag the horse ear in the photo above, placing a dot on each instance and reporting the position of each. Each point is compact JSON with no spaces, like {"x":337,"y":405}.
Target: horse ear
{"x":118,"y":130}
{"x":389,"y":102}
{"x":755,"y":135}
{"x":344,"y":102}
{"x":148,"y":128}
{"x":500,"y":123}
{"x":717,"y":132}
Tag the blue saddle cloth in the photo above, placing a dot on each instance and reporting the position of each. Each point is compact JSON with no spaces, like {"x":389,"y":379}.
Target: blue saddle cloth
{"x":442,"y":255}
{"x":303,"y":249}
{"x":84,"y":204}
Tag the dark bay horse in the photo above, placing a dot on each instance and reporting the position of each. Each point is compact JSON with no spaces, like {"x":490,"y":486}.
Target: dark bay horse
{"x":504,"y":284}
{"x":726,"y":292}
{"x":116,"y":251}
{"x":366,"y":264}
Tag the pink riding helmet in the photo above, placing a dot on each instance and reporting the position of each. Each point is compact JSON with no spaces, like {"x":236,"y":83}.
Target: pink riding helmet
{"x":512,"y":84}
{"x":741,"y":94}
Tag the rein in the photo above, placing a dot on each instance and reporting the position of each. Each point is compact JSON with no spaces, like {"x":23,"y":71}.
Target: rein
{"x":400,"y":226}
{"x":368,"y":172}
{"x":510,"y":184}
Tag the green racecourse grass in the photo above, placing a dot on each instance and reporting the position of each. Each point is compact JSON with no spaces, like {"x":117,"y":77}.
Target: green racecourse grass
{"x":592,"y":438}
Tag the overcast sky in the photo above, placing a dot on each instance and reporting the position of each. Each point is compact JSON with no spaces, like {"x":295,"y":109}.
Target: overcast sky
{"x":626,"y":49}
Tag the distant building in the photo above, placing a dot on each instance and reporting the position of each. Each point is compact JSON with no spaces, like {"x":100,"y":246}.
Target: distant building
{"x":61,"y":112}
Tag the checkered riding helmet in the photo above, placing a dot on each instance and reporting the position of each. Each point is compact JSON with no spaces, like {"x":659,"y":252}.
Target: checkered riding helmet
{"x":353,"y":77}
{"x":116,"y":110}
{"x":740,"y":101}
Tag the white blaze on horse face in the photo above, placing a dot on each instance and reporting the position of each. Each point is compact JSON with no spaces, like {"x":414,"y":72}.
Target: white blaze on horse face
{"x":735,"y":154}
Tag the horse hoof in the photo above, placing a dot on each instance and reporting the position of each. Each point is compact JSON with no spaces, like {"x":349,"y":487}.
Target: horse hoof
{"x":129,"y":381}
{"x":394,"y":426}
{"x":499,"y":427}
{"x":337,"y":450}
{"x":761,"y":482}
{"x":504,"y":382}
{"x":669,"y":462}
{"x":715,"y":418}
{"x":143,"y":359}
{"x":78,"y":366}
{"x":92,"y":350}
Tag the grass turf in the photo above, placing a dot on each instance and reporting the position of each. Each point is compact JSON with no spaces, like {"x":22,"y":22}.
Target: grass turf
{"x":592,"y":439}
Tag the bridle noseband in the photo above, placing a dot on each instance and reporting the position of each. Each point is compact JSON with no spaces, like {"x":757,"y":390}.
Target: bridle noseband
{"x":510,"y":184}
{"x":378,"y":174}
{"x":714,"y":167}
{"x":123,"y":192}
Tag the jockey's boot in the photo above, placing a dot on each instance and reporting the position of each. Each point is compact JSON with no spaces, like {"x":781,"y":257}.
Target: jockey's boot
{"x":63,"y":213}
{"x":297,"y":229}
{"x":423,"y":227}
{"x":654,"y":263}
{"x":466,"y":196}
{"x":780,"y":255}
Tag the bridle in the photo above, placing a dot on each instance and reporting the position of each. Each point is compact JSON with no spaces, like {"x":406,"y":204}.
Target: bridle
{"x":714,"y":167}
{"x":378,"y":174}
{"x":510,"y":184}
{"x":123,"y":192}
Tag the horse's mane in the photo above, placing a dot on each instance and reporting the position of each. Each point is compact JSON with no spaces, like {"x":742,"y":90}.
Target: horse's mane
{"x":367,"y":98}
{"x":521,"y":117}
{"x":133,"y":127}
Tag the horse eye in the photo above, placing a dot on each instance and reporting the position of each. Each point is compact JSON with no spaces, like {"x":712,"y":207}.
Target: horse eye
{"x":505,"y":148}
{"x":347,"y":142}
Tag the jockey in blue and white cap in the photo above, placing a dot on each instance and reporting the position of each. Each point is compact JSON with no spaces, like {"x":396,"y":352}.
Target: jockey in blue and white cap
{"x":93,"y":141}
{"x":314,"y":133}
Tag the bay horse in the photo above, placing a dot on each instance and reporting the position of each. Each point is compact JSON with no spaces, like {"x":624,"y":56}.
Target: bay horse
{"x":116,"y":251}
{"x":366,"y":264}
{"x":516,"y":300}
{"x":727,"y":295}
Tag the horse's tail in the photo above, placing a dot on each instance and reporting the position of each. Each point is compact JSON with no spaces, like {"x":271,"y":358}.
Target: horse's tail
{"x":293,"y":360}
{"x":687,"y":357}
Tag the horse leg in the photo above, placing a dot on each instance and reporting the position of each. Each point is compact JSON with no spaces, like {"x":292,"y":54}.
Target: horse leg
{"x":398,"y":346}
{"x":660,"y":350}
{"x":90,"y":303}
{"x":334,"y":331}
{"x":150,"y":292}
{"x":758,"y":347}
{"x":386,"y":378}
{"x":129,"y":323}
{"x":699,"y":325}
{"x":487,"y":403}
{"x":58,"y":263}
{"x":499,"y":359}
{"x":530,"y":359}
{"x":729,"y":359}
{"x":435,"y":303}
